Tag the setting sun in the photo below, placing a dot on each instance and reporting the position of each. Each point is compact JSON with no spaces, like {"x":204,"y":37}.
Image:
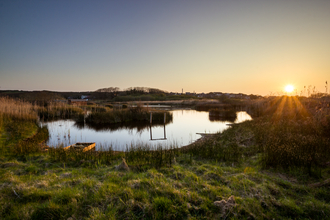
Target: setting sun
{"x":289,"y":88}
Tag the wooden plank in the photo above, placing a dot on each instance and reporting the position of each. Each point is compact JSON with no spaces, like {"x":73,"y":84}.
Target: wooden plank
{"x":89,"y":147}
{"x":67,"y":148}
{"x":81,"y":146}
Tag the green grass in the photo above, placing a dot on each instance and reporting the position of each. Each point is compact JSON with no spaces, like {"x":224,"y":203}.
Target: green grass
{"x":43,"y":189}
{"x":15,"y":130}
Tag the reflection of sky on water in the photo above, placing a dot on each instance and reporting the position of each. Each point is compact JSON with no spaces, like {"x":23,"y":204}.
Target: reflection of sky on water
{"x":182,"y":131}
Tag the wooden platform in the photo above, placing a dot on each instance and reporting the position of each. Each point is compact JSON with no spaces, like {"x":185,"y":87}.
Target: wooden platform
{"x":81,"y":146}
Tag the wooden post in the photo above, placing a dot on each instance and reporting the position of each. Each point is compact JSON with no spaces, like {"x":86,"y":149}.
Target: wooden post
{"x":164,"y":118}
{"x":150,"y":117}
{"x":150,"y":133}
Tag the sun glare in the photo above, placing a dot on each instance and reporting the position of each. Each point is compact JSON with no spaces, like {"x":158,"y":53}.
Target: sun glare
{"x":289,"y":88}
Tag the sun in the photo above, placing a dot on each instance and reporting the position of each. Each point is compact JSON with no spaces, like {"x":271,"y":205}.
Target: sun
{"x":289,"y":88}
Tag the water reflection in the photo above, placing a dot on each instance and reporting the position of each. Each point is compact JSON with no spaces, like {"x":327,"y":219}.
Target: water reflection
{"x":222,"y":118}
{"x":181,"y":131}
{"x":138,"y":126}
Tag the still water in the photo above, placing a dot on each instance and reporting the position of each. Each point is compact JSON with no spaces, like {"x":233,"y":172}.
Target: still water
{"x":181,"y":131}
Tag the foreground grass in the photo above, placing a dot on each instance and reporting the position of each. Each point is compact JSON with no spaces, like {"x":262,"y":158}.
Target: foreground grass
{"x":41,"y":189}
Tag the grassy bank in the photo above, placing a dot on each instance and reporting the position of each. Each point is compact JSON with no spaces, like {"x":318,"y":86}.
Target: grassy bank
{"x":191,"y":188}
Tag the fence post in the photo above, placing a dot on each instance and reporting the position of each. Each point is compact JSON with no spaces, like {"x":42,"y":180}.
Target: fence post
{"x":150,"y":117}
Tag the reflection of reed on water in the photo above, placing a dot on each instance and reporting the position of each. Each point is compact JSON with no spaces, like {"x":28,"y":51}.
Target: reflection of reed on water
{"x":222,"y":115}
{"x":222,"y":118}
{"x":139,"y":126}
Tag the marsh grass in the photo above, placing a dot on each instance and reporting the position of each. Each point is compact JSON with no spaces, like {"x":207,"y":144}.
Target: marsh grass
{"x":138,"y":156}
{"x":58,"y":111}
{"x":231,"y":146}
{"x":96,"y":108}
{"x":132,"y":114}
{"x":294,"y":134}
{"x":32,"y":144}
{"x":103,"y":156}
{"x":144,"y":155}
{"x":16,"y":109}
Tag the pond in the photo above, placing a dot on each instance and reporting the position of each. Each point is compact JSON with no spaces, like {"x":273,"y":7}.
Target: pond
{"x":182,"y":131}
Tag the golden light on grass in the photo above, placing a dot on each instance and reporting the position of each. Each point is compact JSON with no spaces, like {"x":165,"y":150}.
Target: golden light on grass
{"x":289,"y":88}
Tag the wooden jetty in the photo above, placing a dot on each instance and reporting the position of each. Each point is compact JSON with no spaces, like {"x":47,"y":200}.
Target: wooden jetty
{"x":81,"y":146}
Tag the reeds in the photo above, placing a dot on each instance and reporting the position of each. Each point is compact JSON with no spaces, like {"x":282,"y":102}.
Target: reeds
{"x":293,"y":134}
{"x":16,"y":109}
{"x":58,"y":111}
{"x":95,"y":108}
{"x":147,"y":155}
{"x":137,"y":155}
{"x":222,"y":148}
{"x":103,"y":156}
{"x":132,"y":114}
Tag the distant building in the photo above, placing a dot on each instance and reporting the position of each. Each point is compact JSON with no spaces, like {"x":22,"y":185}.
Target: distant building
{"x":85,"y":97}
{"x":77,"y":102}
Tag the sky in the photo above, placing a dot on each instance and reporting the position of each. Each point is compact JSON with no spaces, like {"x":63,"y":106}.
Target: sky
{"x":234,"y":46}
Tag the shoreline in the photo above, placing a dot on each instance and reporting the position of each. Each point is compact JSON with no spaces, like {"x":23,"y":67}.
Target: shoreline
{"x":204,"y":137}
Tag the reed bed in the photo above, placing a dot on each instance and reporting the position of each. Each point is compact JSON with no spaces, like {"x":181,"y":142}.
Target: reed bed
{"x":209,"y":106}
{"x":17,"y":109}
{"x":58,"y":111}
{"x":126,"y":115}
{"x":294,"y":134}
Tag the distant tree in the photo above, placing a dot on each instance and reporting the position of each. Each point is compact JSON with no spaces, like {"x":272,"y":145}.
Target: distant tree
{"x":142,"y":90}
{"x":253,"y":96}
{"x":110,"y":89}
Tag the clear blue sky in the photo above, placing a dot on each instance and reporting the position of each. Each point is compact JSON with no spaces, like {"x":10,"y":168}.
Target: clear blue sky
{"x":246,"y":46}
